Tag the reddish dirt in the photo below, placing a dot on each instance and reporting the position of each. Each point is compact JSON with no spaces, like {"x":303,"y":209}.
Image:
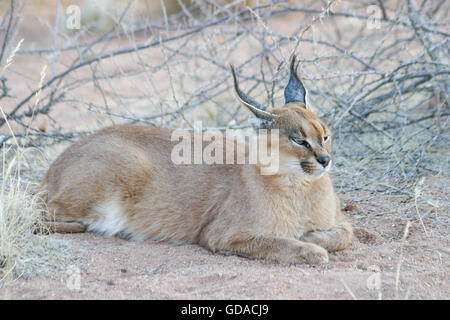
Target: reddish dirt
{"x":111,"y":268}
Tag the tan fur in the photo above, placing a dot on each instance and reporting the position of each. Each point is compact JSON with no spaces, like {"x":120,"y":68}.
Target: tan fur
{"x":122,"y":179}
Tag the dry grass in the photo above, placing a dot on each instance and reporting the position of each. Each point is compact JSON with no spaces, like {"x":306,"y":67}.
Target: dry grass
{"x":22,"y":251}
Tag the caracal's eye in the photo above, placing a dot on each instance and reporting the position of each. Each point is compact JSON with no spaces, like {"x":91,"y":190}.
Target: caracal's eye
{"x":300,"y":142}
{"x":326,"y":138}
{"x":305,"y":144}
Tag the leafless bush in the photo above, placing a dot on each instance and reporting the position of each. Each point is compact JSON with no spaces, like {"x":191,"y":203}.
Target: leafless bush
{"x":377,"y":72}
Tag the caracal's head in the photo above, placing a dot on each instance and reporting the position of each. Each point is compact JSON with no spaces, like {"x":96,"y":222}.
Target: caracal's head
{"x":304,"y":140}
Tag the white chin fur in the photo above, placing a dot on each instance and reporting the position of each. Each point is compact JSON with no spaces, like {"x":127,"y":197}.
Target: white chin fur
{"x":292,"y":167}
{"x":319,"y":172}
{"x":328,"y":167}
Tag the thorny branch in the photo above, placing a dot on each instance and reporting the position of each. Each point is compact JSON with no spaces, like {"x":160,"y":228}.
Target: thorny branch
{"x":380,"y":82}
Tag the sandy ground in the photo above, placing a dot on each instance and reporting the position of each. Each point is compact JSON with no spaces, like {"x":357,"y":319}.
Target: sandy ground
{"x":380,"y":264}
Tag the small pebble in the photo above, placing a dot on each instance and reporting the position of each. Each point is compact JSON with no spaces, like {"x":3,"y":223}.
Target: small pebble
{"x":350,"y":207}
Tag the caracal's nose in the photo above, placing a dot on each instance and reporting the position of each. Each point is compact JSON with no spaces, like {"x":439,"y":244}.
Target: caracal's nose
{"x":324,"y":160}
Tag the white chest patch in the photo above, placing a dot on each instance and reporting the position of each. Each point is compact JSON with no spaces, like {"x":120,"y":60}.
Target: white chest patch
{"x":111,"y":218}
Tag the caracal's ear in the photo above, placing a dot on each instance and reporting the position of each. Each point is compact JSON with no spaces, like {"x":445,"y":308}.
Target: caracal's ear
{"x":294,"y":91}
{"x":264,"y":118}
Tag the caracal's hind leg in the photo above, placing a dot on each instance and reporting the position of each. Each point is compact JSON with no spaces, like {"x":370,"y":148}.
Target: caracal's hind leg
{"x":55,"y":221}
{"x":65,"y":227}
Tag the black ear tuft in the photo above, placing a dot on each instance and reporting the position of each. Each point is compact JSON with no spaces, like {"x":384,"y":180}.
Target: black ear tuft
{"x":294,"y":91}
{"x":257,"y":109}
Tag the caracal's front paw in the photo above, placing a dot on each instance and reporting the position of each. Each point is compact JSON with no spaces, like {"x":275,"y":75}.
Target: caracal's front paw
{"x":312,"y":237}
{"x":312,"y":254}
